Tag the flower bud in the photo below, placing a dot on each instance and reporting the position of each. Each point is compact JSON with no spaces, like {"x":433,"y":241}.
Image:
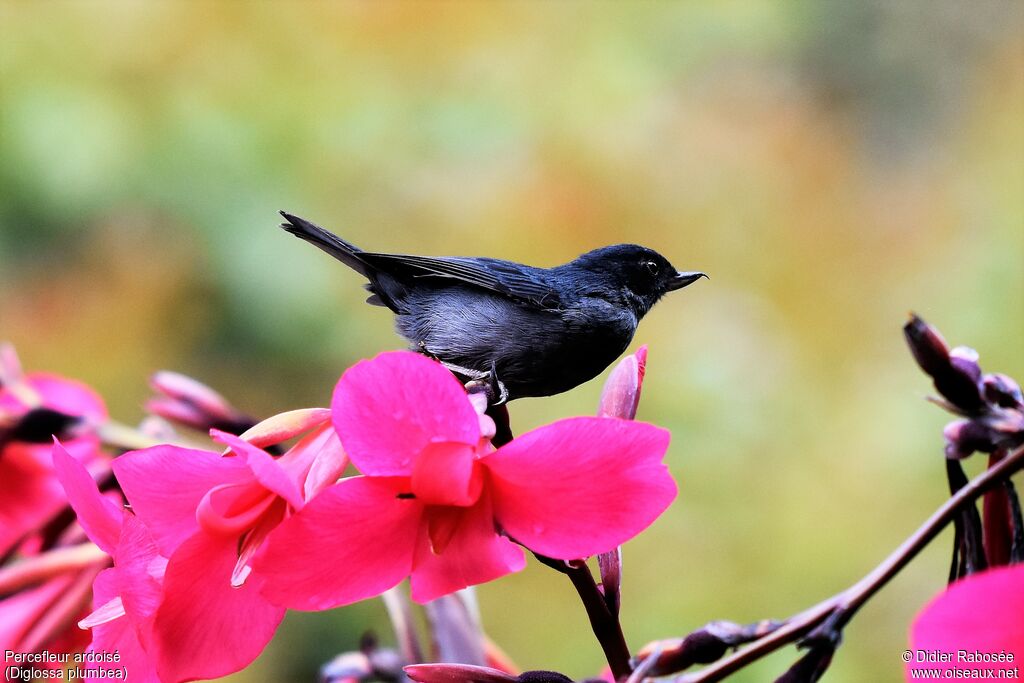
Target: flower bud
{"x":1002,"y":390}
{"x":955,"y":373}
{"x":621,"y":393}
{"x":10,"y":366}
{"x":964,"y":437}
{"x":705,"y":645}
{"x":926,"y":344}
{"x":457,"y":673}
{"x":283,"y":426}
{"x":189,"y":402}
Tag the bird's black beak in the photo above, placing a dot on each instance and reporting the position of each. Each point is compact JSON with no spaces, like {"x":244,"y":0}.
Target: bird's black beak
{"x":680,"y":280}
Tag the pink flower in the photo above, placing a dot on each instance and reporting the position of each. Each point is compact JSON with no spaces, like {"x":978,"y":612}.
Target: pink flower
{"x":33,"y":408}
{"x":965,"y":625}
{"x":209,"y":515}
{"x":435,"y":492}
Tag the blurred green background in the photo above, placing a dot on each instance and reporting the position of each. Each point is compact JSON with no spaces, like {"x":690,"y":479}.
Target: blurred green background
{"x":832,"y":165}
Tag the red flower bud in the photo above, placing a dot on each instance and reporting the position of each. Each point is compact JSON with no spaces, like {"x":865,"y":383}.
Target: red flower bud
{"x":191,"y":403}
{"x":621,"y":393}
{"x":929,"y":348}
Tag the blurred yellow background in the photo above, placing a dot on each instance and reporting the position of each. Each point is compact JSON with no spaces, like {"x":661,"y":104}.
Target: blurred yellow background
{"x":832,"y":165}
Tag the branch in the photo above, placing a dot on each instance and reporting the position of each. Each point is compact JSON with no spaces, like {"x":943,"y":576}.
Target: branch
{"x":841,"y":607}
{"x":605,"y":625}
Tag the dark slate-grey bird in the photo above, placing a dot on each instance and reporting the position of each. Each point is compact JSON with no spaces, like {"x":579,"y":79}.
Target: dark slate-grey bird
{"x":529,"y":331}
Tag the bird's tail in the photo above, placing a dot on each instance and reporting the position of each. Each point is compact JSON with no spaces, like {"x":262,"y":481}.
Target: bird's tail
{"x":344,"y":251}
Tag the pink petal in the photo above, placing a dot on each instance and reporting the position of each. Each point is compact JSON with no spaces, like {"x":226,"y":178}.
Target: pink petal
{"x":266,"y":470}
{"x":68,"y":396}
{"x":386,"y":410}
{"x":114,"y":609}
{"x":474,"y":554}
{"x":140,"y":570}
{"x":105,"y":588}
{"x":447,"y":473}
{"x":97,"y":514}
{"x":353,"y":541}
{"x":284,"y":426}
{"x":27,"y":497}
{"x":233,"y":509}
{"x":580,"y":486}
{"x":118,"y":635}
{"x":253,"y":540}
{"x":204,"y":628}
{"x":165,"y":484}
{"x":329,"y":460}
{"x":979,"y":614}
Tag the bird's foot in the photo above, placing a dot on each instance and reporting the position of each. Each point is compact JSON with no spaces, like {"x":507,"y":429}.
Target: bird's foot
{"x":487,"y":382}
{"x":497,"y":386}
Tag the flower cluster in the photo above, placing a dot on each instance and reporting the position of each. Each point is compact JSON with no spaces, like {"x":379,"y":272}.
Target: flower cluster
{"x":196,"y":553}
{"x":50,"y":582}
{"x":991,"y":420}
{"x":991,"y":405}
{"x":980,"y":611}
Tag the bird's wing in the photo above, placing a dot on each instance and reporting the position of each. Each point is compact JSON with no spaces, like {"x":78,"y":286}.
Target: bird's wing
{"x":521,"y":283}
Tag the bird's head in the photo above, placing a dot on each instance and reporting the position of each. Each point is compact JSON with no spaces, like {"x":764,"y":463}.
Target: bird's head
{"x":641,"y":274}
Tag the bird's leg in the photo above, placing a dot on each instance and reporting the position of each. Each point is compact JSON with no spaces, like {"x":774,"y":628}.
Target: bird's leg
{"x":497,"y":393}
{"x":474,"y":375}
{"x":497,"y":386}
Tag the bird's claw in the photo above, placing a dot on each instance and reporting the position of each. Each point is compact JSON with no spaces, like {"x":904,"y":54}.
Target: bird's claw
{"x":497,"y":387}
{"x":422,"y":348}
{"x":488,"y":383}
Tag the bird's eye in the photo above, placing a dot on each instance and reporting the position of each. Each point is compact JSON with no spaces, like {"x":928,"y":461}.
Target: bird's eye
{"x":651,"y":267}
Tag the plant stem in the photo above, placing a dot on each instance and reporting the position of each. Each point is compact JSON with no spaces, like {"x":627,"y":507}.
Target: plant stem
{"x":397,"y":605}
{"x":39,"y":568}
{"x":842,"y":606}
{"x":124,"y":438}
{"x":603,"y":621}
{"x":605,"y":625}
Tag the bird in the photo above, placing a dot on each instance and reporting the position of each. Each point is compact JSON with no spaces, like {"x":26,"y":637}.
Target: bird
{"x":525,"y":331}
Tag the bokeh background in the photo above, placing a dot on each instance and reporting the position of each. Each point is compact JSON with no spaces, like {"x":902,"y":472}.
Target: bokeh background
{"x":831,"y":164}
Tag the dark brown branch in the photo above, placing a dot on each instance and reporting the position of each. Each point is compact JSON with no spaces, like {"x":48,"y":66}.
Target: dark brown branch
{"x":604,"y":624}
